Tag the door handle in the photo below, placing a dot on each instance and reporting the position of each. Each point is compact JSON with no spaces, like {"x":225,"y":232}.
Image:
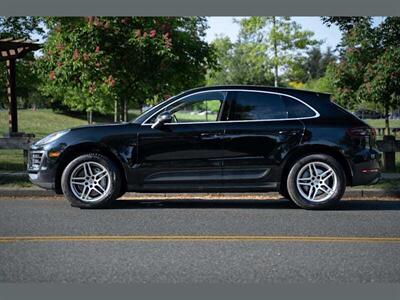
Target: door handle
{"x":207,"y":135}
{"x":288,"y":132}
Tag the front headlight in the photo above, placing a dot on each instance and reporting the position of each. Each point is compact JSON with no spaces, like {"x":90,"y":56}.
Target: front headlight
{"x":51,"y":137}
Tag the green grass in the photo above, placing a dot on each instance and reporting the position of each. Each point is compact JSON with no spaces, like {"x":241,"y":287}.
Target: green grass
{"x":388,"y":184}
{"x":15,"y":183}
{"x":40,"y":122}
{"x":381,"y":123}
{"x":11,"y":160}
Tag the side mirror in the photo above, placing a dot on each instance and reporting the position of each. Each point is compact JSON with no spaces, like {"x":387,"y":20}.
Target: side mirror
{"x":162,"y":118}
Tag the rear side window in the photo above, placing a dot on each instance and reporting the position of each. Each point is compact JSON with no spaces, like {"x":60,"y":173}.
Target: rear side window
{"x":265,"y":106}
{"x":258,"y":106}
{"x":296,"y":109}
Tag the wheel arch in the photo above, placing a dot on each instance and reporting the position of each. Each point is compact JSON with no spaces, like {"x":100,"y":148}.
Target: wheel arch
{"x":306,"y":150}
{"x":80,"y":149}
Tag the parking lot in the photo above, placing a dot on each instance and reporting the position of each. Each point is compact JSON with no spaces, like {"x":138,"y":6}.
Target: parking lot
{"x":199,"y":241}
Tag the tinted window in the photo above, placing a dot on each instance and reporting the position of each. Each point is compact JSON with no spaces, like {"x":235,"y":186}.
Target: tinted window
{"x":197,"y":111}
{"x":201,"y":107}
{"x":257,"y":106}
{"x":296,"y":109}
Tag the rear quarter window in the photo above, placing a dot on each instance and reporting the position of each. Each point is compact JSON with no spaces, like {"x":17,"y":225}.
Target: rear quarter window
{"x":267,"y":106}
{"x":296,"y":109}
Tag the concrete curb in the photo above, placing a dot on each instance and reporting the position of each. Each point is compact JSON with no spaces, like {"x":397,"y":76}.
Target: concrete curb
{"x":350,"y":193}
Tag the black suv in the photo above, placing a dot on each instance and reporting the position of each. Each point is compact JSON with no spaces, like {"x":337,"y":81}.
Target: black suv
{"x":215,"y":139}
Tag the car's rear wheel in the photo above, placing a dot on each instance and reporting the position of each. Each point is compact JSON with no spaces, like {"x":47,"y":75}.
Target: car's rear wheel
{"x":316,"y":181}
{"x":91,"y":181}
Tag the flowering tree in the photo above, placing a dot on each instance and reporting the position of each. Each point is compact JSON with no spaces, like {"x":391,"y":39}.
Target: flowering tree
{"x":105,"y":63}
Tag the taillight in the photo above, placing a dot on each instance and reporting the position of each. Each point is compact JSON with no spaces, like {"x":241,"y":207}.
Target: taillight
{"x":361,"y":131}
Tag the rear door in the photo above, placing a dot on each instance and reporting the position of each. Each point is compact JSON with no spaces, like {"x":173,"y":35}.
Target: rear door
{"x":258,"y":135}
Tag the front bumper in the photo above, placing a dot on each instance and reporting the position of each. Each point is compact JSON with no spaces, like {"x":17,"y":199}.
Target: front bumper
{"x":41,"y":169}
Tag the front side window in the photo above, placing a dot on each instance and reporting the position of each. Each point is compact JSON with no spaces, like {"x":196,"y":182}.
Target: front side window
{"x":201,"y":107}
{"x":267,"y":106}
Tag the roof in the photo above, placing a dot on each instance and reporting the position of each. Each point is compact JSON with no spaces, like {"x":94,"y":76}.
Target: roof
{"x":16,"y":48}
{"x":289,"y":91}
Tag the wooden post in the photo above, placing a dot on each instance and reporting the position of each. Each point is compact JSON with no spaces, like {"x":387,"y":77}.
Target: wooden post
{"x":12,"y":97}
{"x":389,"y":158}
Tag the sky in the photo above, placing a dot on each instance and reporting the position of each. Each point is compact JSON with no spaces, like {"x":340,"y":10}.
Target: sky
{"x":224,"y":25}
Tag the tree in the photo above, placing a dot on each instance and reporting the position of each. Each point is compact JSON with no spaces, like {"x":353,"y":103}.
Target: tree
{"x":240,"y":62}
{"x":20,"y":27}
{"x":312,"y":66}
{"x":382,"y":82}
{"x":105,"y":63}
{"x":284,"y":39}
{"x":324,"y":84}
{"x":369,"y":62}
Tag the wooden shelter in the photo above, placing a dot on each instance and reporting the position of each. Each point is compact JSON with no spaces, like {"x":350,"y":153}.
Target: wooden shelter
{"x":10,"y":50}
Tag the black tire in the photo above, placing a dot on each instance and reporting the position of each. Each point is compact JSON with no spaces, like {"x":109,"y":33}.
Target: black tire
{"x":105,"y":200}
{"x":121,"y":193}
{"x":303,"y":202}
{"x":284,"y":193}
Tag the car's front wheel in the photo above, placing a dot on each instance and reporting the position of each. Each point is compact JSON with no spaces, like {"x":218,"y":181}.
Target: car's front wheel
{"x":316,"y":181}
{"x":91,"y":181}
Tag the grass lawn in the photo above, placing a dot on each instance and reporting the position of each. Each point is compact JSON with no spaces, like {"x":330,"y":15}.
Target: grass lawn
{"x":41,"y":122}
{"x":388,"y":184}
{"x":381,"y":123}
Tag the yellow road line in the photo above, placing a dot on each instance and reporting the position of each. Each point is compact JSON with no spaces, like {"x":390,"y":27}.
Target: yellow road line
{"x":149,"y":238}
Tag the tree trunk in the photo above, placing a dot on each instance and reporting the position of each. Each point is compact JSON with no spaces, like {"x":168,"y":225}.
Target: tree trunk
{"x":120,"y":111}
{"x":387,"y":127}
{"x":125,"y":110}
{"x":115,"y":111}
{"x":276,"y":78}
{"x":89,"y":116}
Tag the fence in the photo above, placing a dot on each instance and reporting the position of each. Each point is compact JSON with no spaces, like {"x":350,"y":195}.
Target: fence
{"x":22,"y":143}
{"x":393,"y":131}
{"x":389,"y":146}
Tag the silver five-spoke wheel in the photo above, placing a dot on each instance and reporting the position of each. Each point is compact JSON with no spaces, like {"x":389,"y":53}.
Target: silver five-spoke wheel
{"x":90,"y":181}
{"x":316,"y":181}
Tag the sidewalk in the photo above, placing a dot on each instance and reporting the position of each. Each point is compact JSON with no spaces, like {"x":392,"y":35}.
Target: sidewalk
{"x":350,"y":193}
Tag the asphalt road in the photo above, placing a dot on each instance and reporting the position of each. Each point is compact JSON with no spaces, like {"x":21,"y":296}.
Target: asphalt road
{"x":199,"y":241}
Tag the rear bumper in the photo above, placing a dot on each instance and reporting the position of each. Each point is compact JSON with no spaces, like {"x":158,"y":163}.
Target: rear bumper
{"x":367,"y":171}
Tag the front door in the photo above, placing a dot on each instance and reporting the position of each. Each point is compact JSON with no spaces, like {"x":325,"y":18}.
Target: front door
{"x":187,"y":153}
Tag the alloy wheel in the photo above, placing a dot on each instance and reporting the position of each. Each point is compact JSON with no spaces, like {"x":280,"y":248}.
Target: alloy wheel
{"x":316,"y":181}
{"x":90,"y":181}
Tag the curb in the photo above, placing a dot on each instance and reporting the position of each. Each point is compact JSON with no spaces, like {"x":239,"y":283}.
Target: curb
{"x":350,"y":193}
